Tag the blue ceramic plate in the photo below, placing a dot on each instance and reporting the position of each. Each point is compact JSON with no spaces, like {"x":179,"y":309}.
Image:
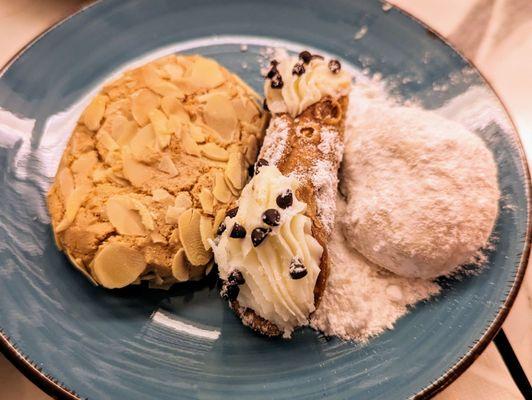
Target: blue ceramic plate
{"x":76,"y":340}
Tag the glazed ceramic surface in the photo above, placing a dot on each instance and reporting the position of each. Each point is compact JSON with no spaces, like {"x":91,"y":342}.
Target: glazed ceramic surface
{"x":185,"y":343}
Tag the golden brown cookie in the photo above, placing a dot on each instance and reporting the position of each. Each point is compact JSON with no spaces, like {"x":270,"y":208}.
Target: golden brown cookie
{"x":150,"y":169}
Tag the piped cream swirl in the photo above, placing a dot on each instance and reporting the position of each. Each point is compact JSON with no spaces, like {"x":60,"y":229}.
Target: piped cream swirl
{"x":269,"y":289}
{"x":301,"y":91}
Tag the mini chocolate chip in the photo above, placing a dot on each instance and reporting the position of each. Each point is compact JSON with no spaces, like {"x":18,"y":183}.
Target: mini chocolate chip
{"x":261,"y":162}
{"x":251,"y":170}
{"x":272,"y":72}
{"x":285,"y":199}
{"x":221,"y":229}
{"x":265,"y":105}
{"x":277,"y":82}
{"x":317,"y":56}
{"x":305,"y":56}
{"x":334,"y":66}
{"x":297,"y":270}
{"x":258,"y":235}
{"x":230,"y":291}
{"x":232,"y":212}
{"x":274,"y":63}
{"x":271,"y":217}
{"x":236,"y":277}
{"x":298,"y":69}
{"x":238,"y":231}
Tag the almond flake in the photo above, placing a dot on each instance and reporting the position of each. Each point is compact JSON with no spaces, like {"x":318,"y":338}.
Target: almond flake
{"x":93,"y":114}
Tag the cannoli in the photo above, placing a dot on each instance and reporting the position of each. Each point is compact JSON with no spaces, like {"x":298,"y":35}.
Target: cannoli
{"x":271,"y":250}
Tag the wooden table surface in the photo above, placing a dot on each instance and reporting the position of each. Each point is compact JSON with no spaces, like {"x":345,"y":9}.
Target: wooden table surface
{"x":495,"y":34}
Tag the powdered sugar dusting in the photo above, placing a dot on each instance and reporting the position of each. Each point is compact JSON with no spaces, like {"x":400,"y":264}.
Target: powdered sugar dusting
{"x":361,"y":300}
{"x":275,"y":140}
{"x":325,"y":182}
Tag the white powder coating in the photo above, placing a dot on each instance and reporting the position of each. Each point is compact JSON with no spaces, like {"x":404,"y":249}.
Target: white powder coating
{"x":324,"y":174}
{"x":361,"y":299}
{"x":422,"y":191}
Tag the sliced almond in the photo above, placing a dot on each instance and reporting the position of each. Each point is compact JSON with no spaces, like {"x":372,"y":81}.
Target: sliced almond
{"x":161,"y":126}
{"x":116,"y":265}
{"x":189,"y":144}
{"x":158,"y":84}
{"x":172,"y":214}
{"x":197,"y":134}
{"x":252,"y":149}
{"x":156,"y":237}
{"x":172,"y":106}
{"x":93,"y":114}
{"x":135,"y":172}
{"x":160,"y":195}
{"x":205,"y":74}
{"x":144,"y":144}
{"x":66,"y":182}
{"x":175,"y":72}
{"x":245,"y":109}
{"x":220,"y":191}
{"x":206,"y":231}
{"x":84,"y":164}
{"x":214,"y":152}
{"x":180,"y":269}
{"x":190,"y":236}
{"x":123,"y":130}
{"x":218,"y":219}
{"x":72,"y":206}
{"x":206,"y":200}
{"x":143,"y":102}
{"x":220,"y":115}
{"x":235,"y":171}
{"x":167,"y":165}
{"x":107,"y":141}
{"x":128,"y":215}
{"x":183,"y":199}
{"x":234,"y":191}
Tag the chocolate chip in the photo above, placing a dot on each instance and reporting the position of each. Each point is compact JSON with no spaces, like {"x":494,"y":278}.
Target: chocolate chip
{"x":297,"y":270}
{"x":258,"y":235}
{"x":221,"y":229}
{"x":265,"y":105}
{"x":285,"y":199}
{"x":274,"y":63}
{"x":261,"y":162}
{"x":236,"y":277}
{"x":238,"y":231}
{"x":251,"y":170}
{"x":229,"y":291}
{"x":272,"y":72}
{"x":277,"y":82}
{"x":305,"y":56}
{"x":334,"y":66}
{"x":232,"y":212}
{"x":298,"y":69}
{"x":271,"y":217}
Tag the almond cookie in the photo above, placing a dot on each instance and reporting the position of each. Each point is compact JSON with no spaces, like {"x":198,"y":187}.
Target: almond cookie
{"x":150,"y":170}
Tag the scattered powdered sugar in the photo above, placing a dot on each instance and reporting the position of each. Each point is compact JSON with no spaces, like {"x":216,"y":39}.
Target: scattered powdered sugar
{"x":275,"y":140}
{"x":325,"y":182}
{"x":362,"y":300}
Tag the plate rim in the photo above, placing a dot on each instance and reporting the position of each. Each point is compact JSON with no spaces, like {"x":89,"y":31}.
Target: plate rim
{"x":53,"y":387}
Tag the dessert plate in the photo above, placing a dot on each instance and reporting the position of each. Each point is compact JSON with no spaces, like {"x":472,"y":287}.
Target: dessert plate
{"x":79,"y":341}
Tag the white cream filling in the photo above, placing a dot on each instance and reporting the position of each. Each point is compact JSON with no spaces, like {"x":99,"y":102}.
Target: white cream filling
{"x":269,"y":289}
{"x":300,"y":92}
